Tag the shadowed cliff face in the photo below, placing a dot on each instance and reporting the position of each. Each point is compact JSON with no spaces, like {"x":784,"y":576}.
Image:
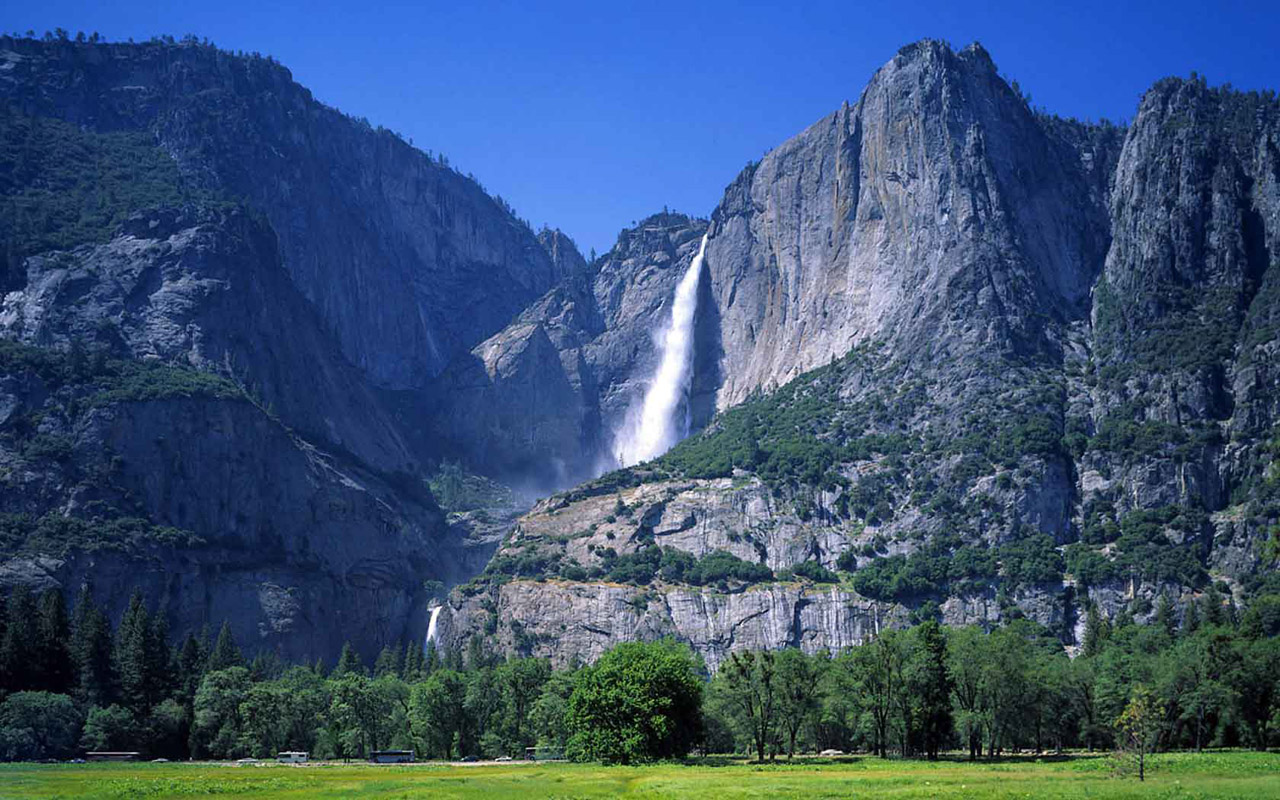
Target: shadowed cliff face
{"x":542,"y":399}
{"x":384,"y":241}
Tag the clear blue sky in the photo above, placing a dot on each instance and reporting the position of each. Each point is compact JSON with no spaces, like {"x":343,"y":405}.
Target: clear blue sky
{"x":589,"y":115}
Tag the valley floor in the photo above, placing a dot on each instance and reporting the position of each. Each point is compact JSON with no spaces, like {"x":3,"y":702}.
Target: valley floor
{"x":1232,"y":774}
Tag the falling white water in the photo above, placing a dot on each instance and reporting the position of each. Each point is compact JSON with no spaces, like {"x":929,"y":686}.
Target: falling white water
{"x":664,"y":416}
{"x":431,"y":626}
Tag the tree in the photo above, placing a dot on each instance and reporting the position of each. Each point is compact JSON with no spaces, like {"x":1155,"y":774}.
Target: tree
{"x":53,"y":664}
{"x":217,"y":724}
{"x":357,"y":711}
{"x":1140,"y":724}
{"x":640,"y":701}
{"x":879,"y":665}
{"x":746,"y":682}
{"x":389,"y":662}
{"x":348,"y":662}
{"x":141,"y":658}
{"x":437,"y":710}
{"x":37,"y":725}
{"x":1258,"y":687}
{"x":521,"y":680}
{"x":17,"y":650}
{"x":966,"y":653}
{"x":91,"y":650}
{"x":928,"y":684}
{"x":547,"y":718}
{"x":226,"y":653}
{"x":797,"y":693}
{"x":1096,"y":632}
{"x":110,"y":728}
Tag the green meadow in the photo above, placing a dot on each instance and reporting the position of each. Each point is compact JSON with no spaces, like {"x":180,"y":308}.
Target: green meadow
{"x":1234,"y":774}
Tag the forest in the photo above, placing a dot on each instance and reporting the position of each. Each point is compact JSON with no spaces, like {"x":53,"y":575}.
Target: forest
{"x":1203,"y":675}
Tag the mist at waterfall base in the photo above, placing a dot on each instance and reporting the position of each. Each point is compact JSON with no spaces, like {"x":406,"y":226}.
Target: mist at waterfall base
{"x":662,"y":419}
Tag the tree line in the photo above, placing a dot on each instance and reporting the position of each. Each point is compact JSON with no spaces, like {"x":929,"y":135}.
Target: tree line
{"x":1204,"y":677}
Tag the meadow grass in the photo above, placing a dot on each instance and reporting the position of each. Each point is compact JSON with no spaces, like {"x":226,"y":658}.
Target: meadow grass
{"x":1182,"y":775}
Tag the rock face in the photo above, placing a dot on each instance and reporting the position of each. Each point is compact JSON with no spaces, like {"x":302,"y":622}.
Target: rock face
{"x":554,"y":386}
{"x":937,"y":215}
{"x":952,"y":357}
{"x":385,"y":242}
{"x":312,"y":262}
{"x":1035,"y":372}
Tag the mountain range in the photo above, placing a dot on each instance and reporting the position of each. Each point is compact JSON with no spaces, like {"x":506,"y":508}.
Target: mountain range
{"x":952,"y":356}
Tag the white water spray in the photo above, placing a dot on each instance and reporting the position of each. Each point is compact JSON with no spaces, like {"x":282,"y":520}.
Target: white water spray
{"x":431,"y":626}
{"x":664,"y":416}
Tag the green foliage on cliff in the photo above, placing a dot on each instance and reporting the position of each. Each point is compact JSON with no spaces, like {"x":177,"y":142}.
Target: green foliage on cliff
{"x":95,"y":379}
{"x":796,"y":435}
{"x":62,"y":185}
{"x":55,"y":534}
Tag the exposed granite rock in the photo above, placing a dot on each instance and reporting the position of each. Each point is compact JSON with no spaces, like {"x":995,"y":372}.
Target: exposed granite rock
{"x":206,"y":289}
{"x":386,"y":242}
{"x":569,"y":622}
{"x":558,"y":421}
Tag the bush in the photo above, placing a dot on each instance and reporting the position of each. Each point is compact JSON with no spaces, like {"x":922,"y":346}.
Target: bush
{"x":815,"y":572}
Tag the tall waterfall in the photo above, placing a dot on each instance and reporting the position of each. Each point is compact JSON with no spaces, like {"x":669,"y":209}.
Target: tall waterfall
{"x":431,"y":626}
{"x":664,"y":416}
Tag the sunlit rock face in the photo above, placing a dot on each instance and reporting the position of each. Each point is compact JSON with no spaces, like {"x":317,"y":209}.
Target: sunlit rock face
{"x":979,"y":272}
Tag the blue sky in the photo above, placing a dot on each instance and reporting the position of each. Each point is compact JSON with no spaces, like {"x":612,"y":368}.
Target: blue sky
{"x":587,"y":116}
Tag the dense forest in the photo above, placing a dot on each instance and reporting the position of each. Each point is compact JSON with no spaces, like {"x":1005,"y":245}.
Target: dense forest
{"x":70,"y":681}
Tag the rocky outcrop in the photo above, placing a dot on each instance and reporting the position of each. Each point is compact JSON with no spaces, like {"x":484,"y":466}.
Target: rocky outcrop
{"x":205,"y":288}
{"x":570,"y":622}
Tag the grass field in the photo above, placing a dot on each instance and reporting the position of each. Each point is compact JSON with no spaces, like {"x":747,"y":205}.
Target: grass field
{"x":1208,"y":775}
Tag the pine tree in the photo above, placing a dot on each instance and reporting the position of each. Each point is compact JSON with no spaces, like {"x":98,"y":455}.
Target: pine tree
{"x":17,"y":651}
{"x":225,"y":653}
{"x":1190,"y":620}
{"x":53,"y":633}
{"x":1213,"y":613}
{"x":412,"y":672}
{"x":91,"y":652}
{"x":1094,"y":632}
{"x":348,"y":662}
{"x":191,"y":659}
{"x":389,"y":662}
{"x":132,"y":661}
{"x":1166,"y":616}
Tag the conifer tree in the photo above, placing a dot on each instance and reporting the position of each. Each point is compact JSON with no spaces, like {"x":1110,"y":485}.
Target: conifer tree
{"x":1166,"y":616}
{"x":389,"y":662}
{"x":143,"y":661}
{"x":53,"y":667}
{"x":17,"y":650}
{"x":190,"y":668}
{"x":91,"y":652}
{"x":1094,"y":632}
{"x":225,"y":653}
{"x":1191,"y":620}
{"x":348,"y":662}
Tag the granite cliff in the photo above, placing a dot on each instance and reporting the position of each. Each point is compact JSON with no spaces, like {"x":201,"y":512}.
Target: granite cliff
{"x":974,"y":362}
{"x":952,"y":356}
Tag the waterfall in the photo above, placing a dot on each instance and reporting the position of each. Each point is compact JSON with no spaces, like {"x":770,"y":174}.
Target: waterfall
{"x":664,"y":415}
{"x":431,"y":627}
